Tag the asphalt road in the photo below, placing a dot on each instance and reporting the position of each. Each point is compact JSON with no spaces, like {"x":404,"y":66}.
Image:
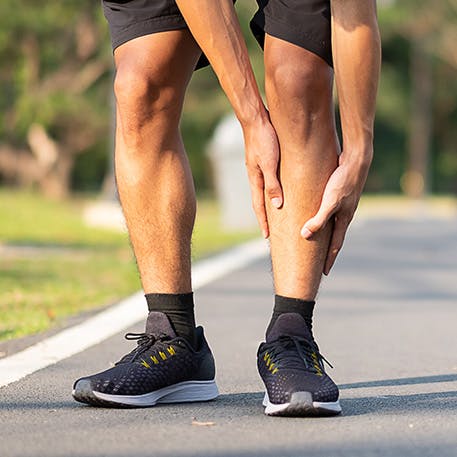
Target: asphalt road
{"x":386,"y":318}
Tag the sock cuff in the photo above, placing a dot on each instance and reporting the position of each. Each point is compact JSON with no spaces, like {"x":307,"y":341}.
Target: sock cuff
{"x":294,"y":305}
{"x":156,"y":301}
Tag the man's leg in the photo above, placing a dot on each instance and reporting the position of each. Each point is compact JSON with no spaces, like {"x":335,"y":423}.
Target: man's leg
{"x":152,"y":170}
{"x":172,"y":361}
{"x":299,"y":93}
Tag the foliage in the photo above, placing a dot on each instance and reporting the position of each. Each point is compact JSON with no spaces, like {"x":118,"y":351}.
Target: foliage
{"x":54,"y":76}
{"x":55,"y":93}
{"x":430,"y":27}
{"x":54,"y":266}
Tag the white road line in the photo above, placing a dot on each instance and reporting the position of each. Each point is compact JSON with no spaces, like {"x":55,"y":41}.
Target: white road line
{"x":119,"y":317}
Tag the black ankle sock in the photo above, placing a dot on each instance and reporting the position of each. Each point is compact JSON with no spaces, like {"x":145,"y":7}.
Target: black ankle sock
{"x":179,"y":308}
{"x":293,"y":305}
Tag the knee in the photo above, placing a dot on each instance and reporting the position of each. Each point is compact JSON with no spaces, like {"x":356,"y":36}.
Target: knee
{"x":144,"y":98}
{"x":305,"y":84}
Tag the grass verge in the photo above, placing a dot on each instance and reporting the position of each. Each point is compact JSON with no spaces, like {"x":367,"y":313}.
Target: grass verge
{"x":85,"y":268}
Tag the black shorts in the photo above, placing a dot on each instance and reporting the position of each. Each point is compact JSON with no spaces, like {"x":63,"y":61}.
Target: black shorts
{"x":305,"y":23}
{"x":129,"y":19}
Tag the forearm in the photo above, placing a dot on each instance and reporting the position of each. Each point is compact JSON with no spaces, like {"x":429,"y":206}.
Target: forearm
{"x":215,"y":27}
{"x":357,"y":61}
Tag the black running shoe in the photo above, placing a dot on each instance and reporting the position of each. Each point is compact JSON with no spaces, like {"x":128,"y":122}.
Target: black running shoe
{"x":292,"y":370}
{"x":163,"y":368}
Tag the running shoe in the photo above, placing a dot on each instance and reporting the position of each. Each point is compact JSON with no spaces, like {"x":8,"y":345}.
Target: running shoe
{"x":163,"y":368}
{"x":292,"y":370}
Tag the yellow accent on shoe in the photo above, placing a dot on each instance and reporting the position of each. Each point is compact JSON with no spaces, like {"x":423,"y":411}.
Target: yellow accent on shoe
{"x":274,"y":371}
{"x":171,"y":351}
{"x":145,"y":364}
{"x":154,"y":359}
{"x":316,"y":364}
{"x":162,"y":354}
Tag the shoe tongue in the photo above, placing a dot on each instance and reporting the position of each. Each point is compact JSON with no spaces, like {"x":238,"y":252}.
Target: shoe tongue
{"x":289,"y":324}
{"x":158,"y":323}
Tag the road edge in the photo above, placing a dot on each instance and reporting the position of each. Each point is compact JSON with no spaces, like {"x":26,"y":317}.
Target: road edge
{"x":118,"y":317}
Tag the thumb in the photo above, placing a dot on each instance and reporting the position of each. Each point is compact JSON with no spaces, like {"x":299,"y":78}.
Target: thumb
{"x":316,"y":223}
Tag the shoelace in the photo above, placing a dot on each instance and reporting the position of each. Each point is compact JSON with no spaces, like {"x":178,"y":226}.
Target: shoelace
{"x":144,"y":342}
{"x":294,"y":352}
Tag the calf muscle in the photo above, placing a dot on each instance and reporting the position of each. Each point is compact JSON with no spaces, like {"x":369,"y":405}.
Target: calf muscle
{"x":299,"y":94}
{"x":152,"y":171}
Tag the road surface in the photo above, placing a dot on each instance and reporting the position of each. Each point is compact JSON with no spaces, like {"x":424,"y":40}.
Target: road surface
{"x":386,"y":319}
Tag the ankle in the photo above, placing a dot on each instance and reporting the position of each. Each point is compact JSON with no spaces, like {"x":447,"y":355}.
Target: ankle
{"x":284,"y":305}
{"x":179,"y":308}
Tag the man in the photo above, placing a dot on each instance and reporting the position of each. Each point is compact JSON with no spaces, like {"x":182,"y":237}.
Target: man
{"x":306,"y":219}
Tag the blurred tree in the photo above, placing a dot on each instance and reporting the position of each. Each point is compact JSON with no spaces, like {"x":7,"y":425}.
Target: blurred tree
{"x":55,"y":97}
{"x":54,"y":67}
{"x":430,"y":29}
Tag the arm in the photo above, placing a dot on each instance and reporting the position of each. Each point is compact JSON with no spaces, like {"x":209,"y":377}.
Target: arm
{"x":357,"y":60}
{"x":215,"y":27}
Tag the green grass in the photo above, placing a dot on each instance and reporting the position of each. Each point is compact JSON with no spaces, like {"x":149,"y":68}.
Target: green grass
{"x":39,"y":291}
{"x":27,"y":218}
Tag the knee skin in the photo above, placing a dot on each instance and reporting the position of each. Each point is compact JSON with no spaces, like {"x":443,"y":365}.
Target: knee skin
{"x":299,"y":94}
{"x":146,"y":103}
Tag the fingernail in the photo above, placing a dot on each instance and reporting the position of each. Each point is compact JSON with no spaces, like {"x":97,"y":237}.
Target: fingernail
{"x":265,"y":234}
{"x":306,"y":233}
{"x":276,"y":201}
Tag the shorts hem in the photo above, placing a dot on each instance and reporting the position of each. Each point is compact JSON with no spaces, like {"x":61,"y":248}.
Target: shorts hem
{"x":262,"y":23}
{"x":147,"y":27}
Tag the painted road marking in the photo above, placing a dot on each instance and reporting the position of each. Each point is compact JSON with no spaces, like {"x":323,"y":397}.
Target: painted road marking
{"x":119,"y":317}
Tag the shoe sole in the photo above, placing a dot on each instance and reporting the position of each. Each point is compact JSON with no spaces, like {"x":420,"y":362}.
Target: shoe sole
{"x":301,"y":404}
{"x":183,"y":392}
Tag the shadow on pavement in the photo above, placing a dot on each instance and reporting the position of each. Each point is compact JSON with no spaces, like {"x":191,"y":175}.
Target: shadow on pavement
{"x":344,"y":450}
{"x":401,"y":381}
{"x":400,"y":404}
{"x":37,"y":405}
{"x":249,"y":403}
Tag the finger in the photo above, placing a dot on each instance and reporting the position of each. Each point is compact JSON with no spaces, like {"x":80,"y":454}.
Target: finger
{"x":273,"y":189}
{"x":258,"y":201}
{"x":336,"y":242}
{"x":319,"y":221}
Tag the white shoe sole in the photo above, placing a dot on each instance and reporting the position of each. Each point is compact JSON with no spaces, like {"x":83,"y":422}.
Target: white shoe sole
{"x":301,"y":404}
{"x":187,"y":391}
